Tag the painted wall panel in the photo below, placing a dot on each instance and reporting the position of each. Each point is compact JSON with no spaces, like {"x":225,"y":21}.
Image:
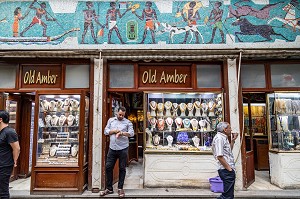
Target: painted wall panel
{"x":163,"y":24}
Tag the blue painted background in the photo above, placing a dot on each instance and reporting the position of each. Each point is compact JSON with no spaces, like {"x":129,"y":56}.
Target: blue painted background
{"x":67,"y":21}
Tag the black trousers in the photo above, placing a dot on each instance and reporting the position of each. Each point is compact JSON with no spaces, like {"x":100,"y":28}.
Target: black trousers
{"x":112,"y":157}
{"x":5,"y":173}
{"x":228,"y":178}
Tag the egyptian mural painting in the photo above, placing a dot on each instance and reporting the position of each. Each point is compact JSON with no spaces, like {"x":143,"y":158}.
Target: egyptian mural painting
{"x":149,"y":22}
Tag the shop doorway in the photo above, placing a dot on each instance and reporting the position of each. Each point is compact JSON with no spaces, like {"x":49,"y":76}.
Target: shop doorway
{"x":255,"y":138}
{"x":133,"y":102}
{"x":21,"y":110}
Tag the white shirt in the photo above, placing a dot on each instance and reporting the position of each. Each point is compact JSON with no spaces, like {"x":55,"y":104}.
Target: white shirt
{"x":221,"y":147}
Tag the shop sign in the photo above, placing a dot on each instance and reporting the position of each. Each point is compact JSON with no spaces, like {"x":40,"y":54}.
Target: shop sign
{"x":40,"y":76}
{"x":165,"y":76}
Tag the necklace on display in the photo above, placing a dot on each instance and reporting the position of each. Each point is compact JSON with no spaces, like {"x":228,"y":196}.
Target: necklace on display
{"x":182,"y":107}
{"x":194,"y":123}
{"x":186,"y":123}
{"x":161,"y":124}
{"x":169,"y":122}
{"x":62,"y":120}
{"x":75,"y":105}
{"x":190,"y":107}
{"x":168,"y":106}
{"x":48,"y":120}
{"x":153,"y":106}
{"x":44,"y":105}
{"x":160,"y":109}
{"x":52,"y":105}
{"x":175,"y":108}
{"x":54,"y":120}
{"x":66,"y":104}
{"x":153,"y":122}
{"x":178,"y":122}
{"x":70,"y":120}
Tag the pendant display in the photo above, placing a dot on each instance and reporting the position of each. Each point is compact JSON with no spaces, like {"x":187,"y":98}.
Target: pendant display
{"x":149,"y":139}
{"x":174,"y":109}
{"x":170,"y":140}
{"x":153,"y":122}
{"x":182,"y":107}
{"x":211,"y":108}
{"x":75,"y":105}
{"x":59,"y":105}
{"x":202,"y":124}
{"x":44,"y":105}
{"x":168,"y":106}
{"x":153,"y":106}
{"x":160,"y":110}
{"x":161,"y":124}
{"x":74,"y":150}
{"x":197,"y":106}
{"x":52,"y":105}
{"x":190,"y":108}
{"x":186,"y":123}
{"x":196,"y":141}
{"x":169,"y":122}
{"x":48,"y":120}
{"x":54,"y":120}
{"x":178,"y":122}
{"x":194,"y":123}
{"x":204,"y":108}
{"x":156,"y":140}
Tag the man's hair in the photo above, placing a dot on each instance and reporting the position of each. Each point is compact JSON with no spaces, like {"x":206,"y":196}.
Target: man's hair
{"x":149,"y":3}
{"x":122,"y":108}
{"x":4,"y":115}
{"x":222,"y":126}
{"x":112,"y":4}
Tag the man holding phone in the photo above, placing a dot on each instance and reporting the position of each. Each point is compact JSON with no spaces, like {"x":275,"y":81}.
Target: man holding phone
{"x":222,"y":151}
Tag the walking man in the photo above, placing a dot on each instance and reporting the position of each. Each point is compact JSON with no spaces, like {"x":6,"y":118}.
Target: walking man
{"x":119,"y":129}
{"x":222,"y":151}
{"x":9,"y":153}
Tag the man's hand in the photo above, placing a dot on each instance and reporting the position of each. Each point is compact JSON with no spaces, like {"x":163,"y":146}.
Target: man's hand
{"x":234,"y":136}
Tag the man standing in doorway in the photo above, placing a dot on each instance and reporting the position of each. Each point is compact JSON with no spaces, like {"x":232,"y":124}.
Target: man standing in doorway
{"x":9,"y":153}
{"x":222,"y":151}
{"x":119,"y":129}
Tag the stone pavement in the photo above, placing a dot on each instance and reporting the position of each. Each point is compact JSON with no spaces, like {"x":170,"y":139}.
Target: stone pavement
{"x":167,"y":193}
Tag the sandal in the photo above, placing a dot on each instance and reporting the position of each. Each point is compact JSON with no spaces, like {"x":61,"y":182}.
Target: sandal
{"x":121,"y":193}
{"x":106,"y":192}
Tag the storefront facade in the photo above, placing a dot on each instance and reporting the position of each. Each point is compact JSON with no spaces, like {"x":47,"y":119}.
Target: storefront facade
{"x":161,"y":47}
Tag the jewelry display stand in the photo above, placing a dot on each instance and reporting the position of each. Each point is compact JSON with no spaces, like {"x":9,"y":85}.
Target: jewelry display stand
{"x":194,"y":128}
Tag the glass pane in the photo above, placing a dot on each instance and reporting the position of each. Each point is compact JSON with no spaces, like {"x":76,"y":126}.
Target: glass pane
{"x":121,"y":76}
{"x":253,"y":76}
{"x":207,"y":73}
{"x":285,"y":75}
{"x":182,"y":121}
{"x":58,"y":130}
{"x":8,"y":76}
{"x":75,"y":73}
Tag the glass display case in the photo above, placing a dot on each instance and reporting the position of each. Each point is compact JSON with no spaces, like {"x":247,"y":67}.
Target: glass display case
{"x":284,"y":117}
{"x":11,"y":108}
{"x":181,"y":121}
{"x":59,"y":130}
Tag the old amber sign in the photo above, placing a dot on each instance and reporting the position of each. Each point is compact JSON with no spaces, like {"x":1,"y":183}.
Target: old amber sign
{"x":165,"y":76}
{"x":39,"y":76}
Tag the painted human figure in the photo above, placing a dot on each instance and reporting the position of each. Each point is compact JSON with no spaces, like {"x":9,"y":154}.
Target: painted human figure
{"x":150,"y":15}
{"x":191,"y":15}
{"x":111,"y":21}
{"x":216,"y":20}
{"x":17,"y":17}
{"x":89,"y":17}
{"x":37,"y":19}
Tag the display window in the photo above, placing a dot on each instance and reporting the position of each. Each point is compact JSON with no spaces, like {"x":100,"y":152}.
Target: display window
{"x":284,"y":117}
{"x":181,"y":122}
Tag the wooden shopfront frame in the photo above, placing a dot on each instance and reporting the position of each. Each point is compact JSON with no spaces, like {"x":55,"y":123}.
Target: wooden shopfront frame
{"x":149,"y":85}
{"x":48,"y":76}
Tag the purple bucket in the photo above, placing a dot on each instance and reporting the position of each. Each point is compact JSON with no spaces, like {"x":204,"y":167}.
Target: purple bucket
{"x":216,"y":185}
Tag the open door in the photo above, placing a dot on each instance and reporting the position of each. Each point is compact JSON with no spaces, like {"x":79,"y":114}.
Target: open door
{"x":115,"y":101}
{"x":248,"y":140}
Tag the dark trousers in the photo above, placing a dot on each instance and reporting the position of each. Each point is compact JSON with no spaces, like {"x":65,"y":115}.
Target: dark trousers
{"x":112,"y":157}
{"x":5,"y":173}
{"x":228,"y":178}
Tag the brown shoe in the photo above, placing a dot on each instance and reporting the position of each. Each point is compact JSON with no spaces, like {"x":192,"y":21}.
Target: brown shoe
{"x":106,"y":192}
{"x":121,"y":193}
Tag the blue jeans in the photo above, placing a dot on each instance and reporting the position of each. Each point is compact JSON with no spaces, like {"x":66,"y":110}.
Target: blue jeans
{"x":228,"y":178}
{"x":112,"y":157}
{"x":5,"y":173}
